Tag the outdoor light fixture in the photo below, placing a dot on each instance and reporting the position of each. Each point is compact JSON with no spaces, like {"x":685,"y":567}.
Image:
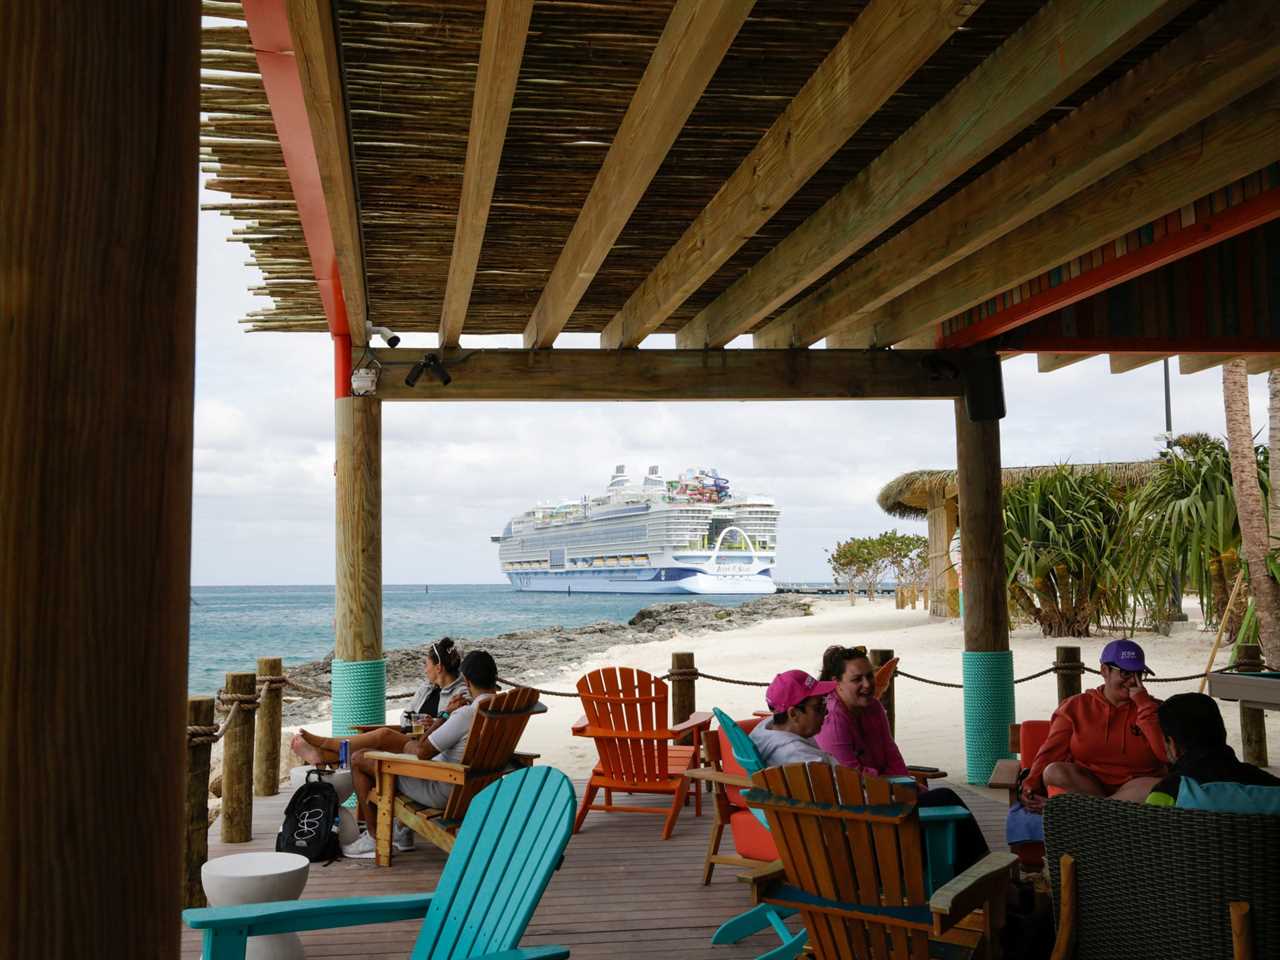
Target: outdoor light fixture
{"x":390,"y":338}
{"x":428,"y":362}
{"x":364,"y":381}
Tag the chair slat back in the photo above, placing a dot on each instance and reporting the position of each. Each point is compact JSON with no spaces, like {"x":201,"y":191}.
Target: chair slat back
{"x":854,"y":840}
{"x":728,"y":756}
{"x":495,"y":733}
{"x":632,"y":702}
{"x":510,"y":843}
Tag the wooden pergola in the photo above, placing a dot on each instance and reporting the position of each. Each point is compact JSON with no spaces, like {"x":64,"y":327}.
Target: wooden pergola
{"x":819,"y":200}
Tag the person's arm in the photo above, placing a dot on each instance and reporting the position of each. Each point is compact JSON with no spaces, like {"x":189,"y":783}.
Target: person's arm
{"x":1056,"y":747}
{"x":1165,"y":793}
{"x":1149,"y":720}
{"x":447,"y":735}
{"x":836,"y":738}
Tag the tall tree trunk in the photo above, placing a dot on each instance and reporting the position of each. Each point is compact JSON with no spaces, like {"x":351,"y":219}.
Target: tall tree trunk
{"x":1253,"y":521}
{"x":1273,"y":444}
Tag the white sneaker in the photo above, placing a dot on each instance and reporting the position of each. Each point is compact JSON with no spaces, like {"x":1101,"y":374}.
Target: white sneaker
{"x":363,"y":847}
{"x":402,"y":838}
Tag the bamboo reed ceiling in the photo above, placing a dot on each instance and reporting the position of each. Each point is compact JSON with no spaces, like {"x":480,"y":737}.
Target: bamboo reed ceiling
{"x":409,"y":72}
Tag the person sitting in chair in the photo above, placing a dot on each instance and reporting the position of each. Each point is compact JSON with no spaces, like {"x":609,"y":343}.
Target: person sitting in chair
{"x":447,"y":743}
{"x":799,"y":705}
{"x":444,"y":689}
{"x":1206,"y":774}
{"x":1105,"y":742}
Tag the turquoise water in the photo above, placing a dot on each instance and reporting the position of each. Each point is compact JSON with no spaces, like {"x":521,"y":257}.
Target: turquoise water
{"x":232,"y":626}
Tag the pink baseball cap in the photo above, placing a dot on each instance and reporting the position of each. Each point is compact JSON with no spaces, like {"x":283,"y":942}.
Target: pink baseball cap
{"x":790,"y":688}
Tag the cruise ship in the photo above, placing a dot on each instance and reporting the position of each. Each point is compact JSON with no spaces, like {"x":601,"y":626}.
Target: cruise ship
{"x":688,"y":535}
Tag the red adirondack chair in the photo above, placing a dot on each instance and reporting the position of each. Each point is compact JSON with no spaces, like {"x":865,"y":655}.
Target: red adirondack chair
{"x":626,"y":715}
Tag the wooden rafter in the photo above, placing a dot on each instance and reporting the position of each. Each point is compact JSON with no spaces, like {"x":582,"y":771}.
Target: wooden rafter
{"x":1198,"y":362}
{"x":1048,"y":362}
{"x":886,"y":44}
{"x":1173,"y":90}
{"x":1059,"y":49}
{"x":506,"y":24}
{"x":1228,"y":146}
{"x":1263,"y":362}
{"x":1124,"y":362}
{"x":570,"y":374}
{"x":695,"y":40}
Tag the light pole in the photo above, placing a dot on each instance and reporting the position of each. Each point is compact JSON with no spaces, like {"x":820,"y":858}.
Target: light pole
{"x":1175,"y":605}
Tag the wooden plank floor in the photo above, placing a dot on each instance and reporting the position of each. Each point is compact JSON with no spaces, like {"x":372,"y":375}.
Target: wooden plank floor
{"x":622,"y":891}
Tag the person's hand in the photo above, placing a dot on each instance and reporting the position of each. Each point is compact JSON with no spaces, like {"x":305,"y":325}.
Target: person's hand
{"x":424,"y":749}
{"x":1138,"y":685}
{"x":456,"y":702}
{"x":1032,"y":801}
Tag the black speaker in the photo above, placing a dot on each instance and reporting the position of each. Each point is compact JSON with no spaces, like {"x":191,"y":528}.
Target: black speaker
{"x":983,"y":387}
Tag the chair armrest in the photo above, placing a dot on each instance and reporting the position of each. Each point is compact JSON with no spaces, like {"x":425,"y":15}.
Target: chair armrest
{"x":925,"y":773}
{"x":524,"y":759}
{"x":979,"y":885}
{"x":719,"y":776}
{"x":294,"y":915}
{"x":407,"y":765}
{"x":696,"y":721}
{"x":944,"y":814}
{"x":1005,"y":775}
{"x":545,"y":952}
{"x":579,"y":728}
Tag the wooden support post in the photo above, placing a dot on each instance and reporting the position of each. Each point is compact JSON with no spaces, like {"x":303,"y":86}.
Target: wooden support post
{"x":99,"y":116}
{"x":266,"y":743}
{"x":683,"y":680}
{"x":1070,"y":670}
{"x":237,"y":765}
{"x":878,"y":659}
{"x":199,"y":714}
{"x":1253,"y":728}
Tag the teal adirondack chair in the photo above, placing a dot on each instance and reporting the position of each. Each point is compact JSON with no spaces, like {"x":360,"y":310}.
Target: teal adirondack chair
{"x":511,"y":841}
{"x":937,"y":827}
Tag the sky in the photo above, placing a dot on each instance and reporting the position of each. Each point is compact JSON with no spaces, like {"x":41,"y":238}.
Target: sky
{"x":453,"y":474}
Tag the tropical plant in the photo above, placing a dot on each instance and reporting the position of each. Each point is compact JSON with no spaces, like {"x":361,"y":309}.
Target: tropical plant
{"x":903,"y":551}
{"x":860,"y":562}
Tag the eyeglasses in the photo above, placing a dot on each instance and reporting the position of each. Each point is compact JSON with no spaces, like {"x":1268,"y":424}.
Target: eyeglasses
{"x":1125,"y":674}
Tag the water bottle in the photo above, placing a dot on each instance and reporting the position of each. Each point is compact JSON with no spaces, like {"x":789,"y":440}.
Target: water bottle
{"x":344,"y":750}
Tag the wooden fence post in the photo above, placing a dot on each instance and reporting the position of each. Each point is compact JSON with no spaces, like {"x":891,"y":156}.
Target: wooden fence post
{"x":878,"y":659}
{"x":266,"y":746}
{"x":683,"y":678}
{"x":1069,"y":672}
{"x":1253,"y":728}
{"x":196,"y":852}
{"x":237,"y":764}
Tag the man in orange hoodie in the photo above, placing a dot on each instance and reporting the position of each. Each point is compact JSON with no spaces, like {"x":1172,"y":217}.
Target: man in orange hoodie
{"x":1105,"y":742}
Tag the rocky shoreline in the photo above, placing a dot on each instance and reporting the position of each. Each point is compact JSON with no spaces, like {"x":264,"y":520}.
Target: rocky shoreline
{"x":526,"y":655}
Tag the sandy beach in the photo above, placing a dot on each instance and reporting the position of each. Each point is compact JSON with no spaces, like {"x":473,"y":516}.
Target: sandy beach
{"x":929,"y":719}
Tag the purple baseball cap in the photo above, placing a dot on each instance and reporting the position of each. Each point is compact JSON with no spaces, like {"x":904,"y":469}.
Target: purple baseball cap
{"x":1126,"y":655}
{"x":790,"y":688}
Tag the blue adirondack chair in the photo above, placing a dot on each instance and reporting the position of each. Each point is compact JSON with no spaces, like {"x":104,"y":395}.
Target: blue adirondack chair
{"x":511,"y":841}
{"x":937,"y":828}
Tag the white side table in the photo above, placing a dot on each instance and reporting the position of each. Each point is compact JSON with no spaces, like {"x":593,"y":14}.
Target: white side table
{"x":258,"y":878}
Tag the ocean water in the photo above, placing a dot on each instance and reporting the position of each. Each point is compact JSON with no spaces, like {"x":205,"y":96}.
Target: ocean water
{"x":232,"y":626}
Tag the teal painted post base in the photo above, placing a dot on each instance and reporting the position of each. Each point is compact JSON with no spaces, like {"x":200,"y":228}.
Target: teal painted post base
{"x":359,"y":696}
{"x":988,"y":711}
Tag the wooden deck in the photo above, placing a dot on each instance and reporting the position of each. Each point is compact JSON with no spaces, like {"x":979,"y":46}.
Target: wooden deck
{"x":622,"y":892}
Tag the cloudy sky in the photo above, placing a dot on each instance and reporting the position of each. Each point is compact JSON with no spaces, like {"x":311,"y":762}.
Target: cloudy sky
{"x":454,"y":473}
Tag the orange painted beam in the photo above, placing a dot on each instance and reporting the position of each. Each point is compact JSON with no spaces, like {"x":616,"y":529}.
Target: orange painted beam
{"x":268,"y":23}
{"x":1174,"y":246}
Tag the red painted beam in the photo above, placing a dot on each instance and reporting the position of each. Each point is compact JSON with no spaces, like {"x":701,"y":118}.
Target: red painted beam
{"x":1226,"y":346}
{"x":268,"y":23}
{"x":1174,"y":246}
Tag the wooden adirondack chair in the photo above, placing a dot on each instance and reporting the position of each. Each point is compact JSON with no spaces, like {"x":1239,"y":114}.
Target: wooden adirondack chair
{"x":853,"y":856}
{"x":490,"y":753}
{"x":752,"y":841}
{"x":627,"y":717}
{"x":511,"y":842}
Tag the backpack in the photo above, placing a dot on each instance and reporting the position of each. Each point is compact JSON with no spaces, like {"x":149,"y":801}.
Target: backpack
{"x":311,"y":821}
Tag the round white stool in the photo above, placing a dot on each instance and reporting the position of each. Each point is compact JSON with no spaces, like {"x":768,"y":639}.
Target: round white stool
{"x":258,"y":878}
{"x":341,"y":780}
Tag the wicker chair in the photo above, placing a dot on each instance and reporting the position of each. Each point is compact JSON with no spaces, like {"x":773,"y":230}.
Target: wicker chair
{"x":1132,"y":881}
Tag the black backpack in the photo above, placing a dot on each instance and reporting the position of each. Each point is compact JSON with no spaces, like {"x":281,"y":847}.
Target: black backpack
{"x":311,"y":821}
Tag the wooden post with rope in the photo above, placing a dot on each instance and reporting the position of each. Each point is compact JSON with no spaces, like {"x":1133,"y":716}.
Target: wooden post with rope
{"x":878,"y":659}
{"x":237,"y":759}
{"x":1253,"y":728}
{"x":683,"y":698}
{"x":196,"y":849}
{"x":1069,"y":670}
{"x":266,"y":747}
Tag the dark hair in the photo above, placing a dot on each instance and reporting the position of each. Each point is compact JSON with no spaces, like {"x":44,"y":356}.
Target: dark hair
{"x":444,"y":654}
{"x":479,"y":668}
{"x":1192,"y":721}
{"x":834,"y":660}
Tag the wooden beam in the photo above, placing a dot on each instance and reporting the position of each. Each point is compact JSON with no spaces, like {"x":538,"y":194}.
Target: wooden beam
{"x":1229,"y":54}
{"x":1174,"y":246}
{"x":1124,"y":362}
{"x":887,"y":43}
{"x":506,"y":24}
{"x":99,"y":118}
{"x":1058,"y":50}
{"x":1048,"y":362}
{"x":579,"y":375}
{"x":1262,"y":363}
{"x":1197,"y":362}
{"x":315,"y":47}
{"x":693,"y":43}
{"x":1167,"y":344}
{"x":1230,"y":145}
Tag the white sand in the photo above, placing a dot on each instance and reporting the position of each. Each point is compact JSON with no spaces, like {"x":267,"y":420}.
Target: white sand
{"x":930,"y":720}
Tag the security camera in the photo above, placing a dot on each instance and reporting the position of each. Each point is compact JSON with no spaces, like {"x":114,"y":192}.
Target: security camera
{"x":391,"y":339}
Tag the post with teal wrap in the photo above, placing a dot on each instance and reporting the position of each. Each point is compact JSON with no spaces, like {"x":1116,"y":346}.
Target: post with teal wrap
{"x":988,"y":663}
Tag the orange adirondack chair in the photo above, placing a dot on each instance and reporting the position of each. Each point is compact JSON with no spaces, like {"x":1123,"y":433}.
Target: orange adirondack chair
{"x":627,"y":717}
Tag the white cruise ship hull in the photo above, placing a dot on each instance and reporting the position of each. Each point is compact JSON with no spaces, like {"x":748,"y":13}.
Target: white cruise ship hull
{"x":645,"y":581}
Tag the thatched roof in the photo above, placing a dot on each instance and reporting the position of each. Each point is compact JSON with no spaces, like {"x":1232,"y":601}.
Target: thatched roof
{"x":907,"y":496}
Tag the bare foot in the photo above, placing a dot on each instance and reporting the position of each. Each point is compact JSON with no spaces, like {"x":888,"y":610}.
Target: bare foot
{"x":307,"y":751}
